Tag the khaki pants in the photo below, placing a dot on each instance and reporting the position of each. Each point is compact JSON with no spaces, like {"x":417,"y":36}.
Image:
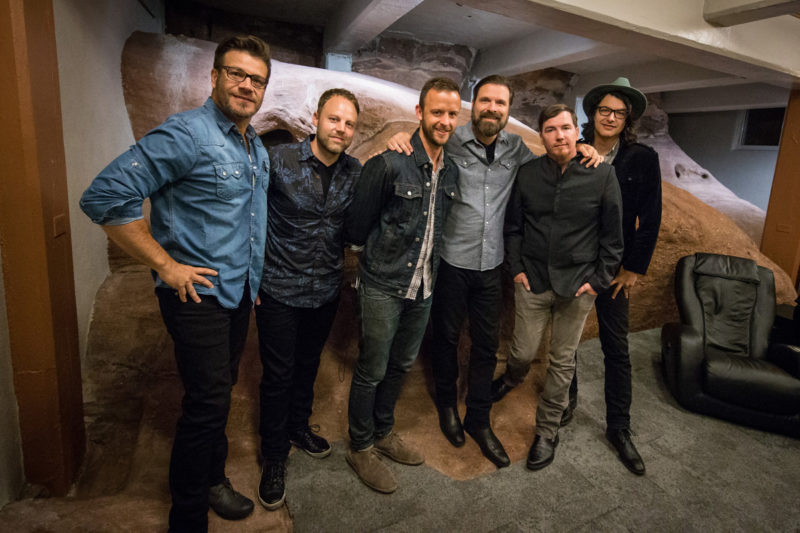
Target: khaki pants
{"x":532,"y":313}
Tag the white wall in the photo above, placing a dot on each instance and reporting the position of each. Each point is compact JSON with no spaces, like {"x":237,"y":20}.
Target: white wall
{"x":12,"y":476}
{"x":90,"y":35}
{"x":708,"y":138}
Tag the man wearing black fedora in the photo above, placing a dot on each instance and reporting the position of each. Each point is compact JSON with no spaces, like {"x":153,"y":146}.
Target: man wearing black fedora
{"x":612,"y":111}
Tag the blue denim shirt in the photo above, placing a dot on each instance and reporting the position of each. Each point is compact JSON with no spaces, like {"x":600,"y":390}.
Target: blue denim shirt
{"x":208,"y":197}
{"x":305,"y":236}
{"x":389,"y":213}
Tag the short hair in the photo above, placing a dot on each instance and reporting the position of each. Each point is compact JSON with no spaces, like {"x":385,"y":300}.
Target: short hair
{"x":494,"y":79}
{"x":628,"y":134}
{"x":251,"y":44}
{"x":437,"y":84}
{"x":330,"y":93}
{"x":553,"y":111}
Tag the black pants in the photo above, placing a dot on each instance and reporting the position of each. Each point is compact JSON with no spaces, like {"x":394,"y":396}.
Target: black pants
{"x":612,"y":318}
{"x":290,"y":341}
{"x":209,"y":341}
{"x":460,"y":293}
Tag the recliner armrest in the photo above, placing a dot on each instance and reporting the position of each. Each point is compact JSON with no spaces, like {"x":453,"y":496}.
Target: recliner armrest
{"x":682,"y":356}
{"x":786,"y":357}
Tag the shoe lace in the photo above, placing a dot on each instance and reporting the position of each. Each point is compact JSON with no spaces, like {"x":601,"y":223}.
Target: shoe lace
{"x":275,"y":472}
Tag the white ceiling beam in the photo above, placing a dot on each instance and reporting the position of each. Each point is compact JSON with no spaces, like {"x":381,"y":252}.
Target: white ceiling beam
{"x":357,"y":22}
{"x":733,"y":12}
{"x":750,"y":96}
{"x":539,"y":50}
{"x":675,"y":30}
{"x":658,"y":76}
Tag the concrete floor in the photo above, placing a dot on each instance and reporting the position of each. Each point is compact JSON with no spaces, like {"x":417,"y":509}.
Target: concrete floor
{"x":702,"y":474}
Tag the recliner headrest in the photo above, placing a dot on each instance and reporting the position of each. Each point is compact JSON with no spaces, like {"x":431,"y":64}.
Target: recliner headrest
{"x":726,"y":267}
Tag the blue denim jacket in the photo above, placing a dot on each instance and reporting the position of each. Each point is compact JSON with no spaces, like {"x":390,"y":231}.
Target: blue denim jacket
{"x":305,"y":237}
{"x":208,"y":197}
{"x":389,"y":212}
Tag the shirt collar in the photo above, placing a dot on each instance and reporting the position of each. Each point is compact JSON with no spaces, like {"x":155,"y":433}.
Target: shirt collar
{"x":421,"y":156}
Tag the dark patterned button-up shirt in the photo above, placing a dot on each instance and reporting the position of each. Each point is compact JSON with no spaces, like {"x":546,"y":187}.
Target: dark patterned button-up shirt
{"x":305,"y":233}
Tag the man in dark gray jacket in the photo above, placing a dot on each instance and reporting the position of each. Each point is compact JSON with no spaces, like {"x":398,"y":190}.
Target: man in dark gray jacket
{"x":563,"y":246}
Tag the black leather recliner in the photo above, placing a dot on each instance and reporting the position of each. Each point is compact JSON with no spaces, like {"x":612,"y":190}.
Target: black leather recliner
{"x":718,"y":361}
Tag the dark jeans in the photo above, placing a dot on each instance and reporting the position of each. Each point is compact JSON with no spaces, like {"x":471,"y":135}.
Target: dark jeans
{"x":461,"y":293}
{"x":290,"y":341}
{"x":209,"y":341}
{"x":391,"y":334}
{"x":612,"y":319}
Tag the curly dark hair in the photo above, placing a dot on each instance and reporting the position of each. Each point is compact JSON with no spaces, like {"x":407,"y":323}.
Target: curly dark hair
{"x":628,"y":134}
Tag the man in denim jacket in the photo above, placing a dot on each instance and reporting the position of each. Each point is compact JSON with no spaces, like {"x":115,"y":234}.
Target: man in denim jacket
{"x":205,"y":172}
{"x":398,"y":210}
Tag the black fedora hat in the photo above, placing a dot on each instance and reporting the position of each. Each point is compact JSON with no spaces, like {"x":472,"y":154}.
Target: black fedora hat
{"x":620,"y":85}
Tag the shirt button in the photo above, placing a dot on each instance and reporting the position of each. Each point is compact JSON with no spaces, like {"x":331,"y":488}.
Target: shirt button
{"x":224,"y":173}
{"x":410,"y":265}
{"x":416,"y":240}
{"x":409,"y":193}
{"x":427,"y":183}
{"x":425,"y":213}
{"x":399,"y":291}
{"x":252,"y":214}
{"x":236,"y":172}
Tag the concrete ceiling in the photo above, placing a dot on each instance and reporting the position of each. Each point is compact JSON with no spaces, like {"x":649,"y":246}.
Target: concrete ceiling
{"x":517,"y":36}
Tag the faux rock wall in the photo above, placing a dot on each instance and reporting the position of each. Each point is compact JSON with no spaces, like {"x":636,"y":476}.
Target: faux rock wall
{"x":152,"y":61}
{"x":411,"y":63}
{"x":534,"y":91}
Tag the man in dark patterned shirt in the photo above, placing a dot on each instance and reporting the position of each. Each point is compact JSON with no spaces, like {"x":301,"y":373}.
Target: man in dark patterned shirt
{"x":311,"y":187}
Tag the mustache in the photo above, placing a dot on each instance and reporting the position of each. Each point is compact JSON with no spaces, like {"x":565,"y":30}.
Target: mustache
{"x":490,"y":114}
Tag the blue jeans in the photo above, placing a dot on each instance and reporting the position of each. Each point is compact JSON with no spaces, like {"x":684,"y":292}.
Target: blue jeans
{"x":391,"y":334}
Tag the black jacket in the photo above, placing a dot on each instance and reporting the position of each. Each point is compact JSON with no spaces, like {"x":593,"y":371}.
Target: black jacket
{"x":564,"y":230}
{"x":389,"y":214}
{"x":639,"y":177}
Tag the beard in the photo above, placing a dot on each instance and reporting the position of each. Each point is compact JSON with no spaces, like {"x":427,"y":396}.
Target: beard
{"x":487,"y":128}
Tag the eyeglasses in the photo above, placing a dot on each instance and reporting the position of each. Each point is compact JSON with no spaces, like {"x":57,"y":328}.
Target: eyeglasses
{"x":238,"y":75}
{"x":606,"y":111}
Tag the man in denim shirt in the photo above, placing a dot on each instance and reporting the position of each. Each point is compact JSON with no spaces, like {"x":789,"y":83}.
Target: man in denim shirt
{"x":205,"y":172}
{"x":399,"y":209}
{"x":310,"y":188}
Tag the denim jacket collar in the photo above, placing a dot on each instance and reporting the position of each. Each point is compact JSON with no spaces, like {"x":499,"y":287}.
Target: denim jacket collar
{"x":224,"y":123}
{"x":421,"y":157}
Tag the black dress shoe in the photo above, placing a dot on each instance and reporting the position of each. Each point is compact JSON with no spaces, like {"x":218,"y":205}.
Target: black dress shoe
{"x":566,"y":416}
{"x":499,"y":389}
{"x":621,"y":440}
{"x":490,"y":445}
{"x":450,"y":425}
{"x":309,"y":442}
{"x":272,"y":487}
{"x":542,"y":452}
{"x":228,"y":503}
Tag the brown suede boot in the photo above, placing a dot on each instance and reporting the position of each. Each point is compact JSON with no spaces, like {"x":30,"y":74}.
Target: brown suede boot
{"x":393,"y":447}
{"x":373,"y":472}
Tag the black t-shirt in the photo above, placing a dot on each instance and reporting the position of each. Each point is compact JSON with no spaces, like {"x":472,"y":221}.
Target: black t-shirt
{"x":490,"y":150}
{"x":324,"y":173}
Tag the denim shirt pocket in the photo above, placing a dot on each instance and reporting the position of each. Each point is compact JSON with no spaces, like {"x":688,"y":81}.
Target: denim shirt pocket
{"x":231,"y":179}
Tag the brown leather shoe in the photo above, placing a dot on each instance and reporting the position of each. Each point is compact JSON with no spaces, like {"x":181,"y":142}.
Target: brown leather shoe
{"x":371,"y":470}
{"x":393,"y":447}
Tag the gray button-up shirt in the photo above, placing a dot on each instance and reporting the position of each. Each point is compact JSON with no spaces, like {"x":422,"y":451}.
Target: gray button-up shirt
{"x":473,"y":233}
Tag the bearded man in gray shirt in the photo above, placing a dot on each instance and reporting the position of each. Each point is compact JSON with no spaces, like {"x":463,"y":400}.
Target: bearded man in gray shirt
{"x":469,"y":281}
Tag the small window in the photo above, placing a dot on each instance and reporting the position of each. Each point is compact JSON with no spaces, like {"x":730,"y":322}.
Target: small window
{"x":761,"y":128}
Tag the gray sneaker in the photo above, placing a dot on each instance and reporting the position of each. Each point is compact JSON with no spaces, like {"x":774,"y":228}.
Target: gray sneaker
{"x":393,"y":447}
{"x":373,"y":472}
